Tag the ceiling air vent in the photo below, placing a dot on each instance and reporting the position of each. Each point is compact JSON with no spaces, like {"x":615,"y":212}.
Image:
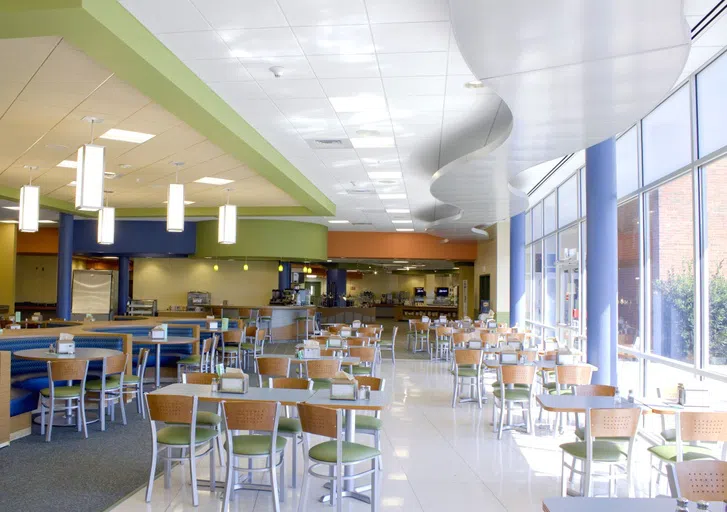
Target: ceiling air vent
{"x":329,"y":143}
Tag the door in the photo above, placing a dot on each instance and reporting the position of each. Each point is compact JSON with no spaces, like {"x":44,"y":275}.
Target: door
{"x":484,"y":292}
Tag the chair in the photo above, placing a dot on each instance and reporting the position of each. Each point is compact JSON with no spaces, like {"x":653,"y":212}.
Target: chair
{"x":368,"y":332}
{"x":207,"y":419}
{"x":289,"y":426}
{"x":566,"y":377}
{"x":506,"y":397}
{"x":134,"y":384}
{"x":269,"y":367}
{"x":691,"y":427}
{"x":489,"y":338}
{"x":182,"y":434}
{"x":258,"y":347}
{"x":668,"y":435}
{"x":201,"y":362}
{"x":371,"y":424}
{"x":421,"y":336}
{"x":107,"y":390}
{"x":467,"y":367}
{"x":334,"y":455}
{"x":229,"y":347}
{"x":529,"y":355}
{"x":367,"y":364}
{"x":248,"y":345}
{"x":321,"y":371}
{"x":254,"y":417}
{"x":357,"y":341}
{"x":594,"y":390}
{"x":389,"y":345}
{"x":70,"y":370}
{"x":411,"y":334}
{"x":265,"y":321}
{"x":307,"y":319}
{"x":603,"y":423}
{"x":442,"y":341}
{"x":699,"y":480}
{"x":333,"y":352}
{"x":460,"y":339}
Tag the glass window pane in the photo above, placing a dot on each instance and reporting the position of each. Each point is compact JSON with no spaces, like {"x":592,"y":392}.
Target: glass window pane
{"x":667,"y":135}
{"x":568,"y":201}
{"x":712,"y":106}
{"x":629,"y":277}
{"x":549,"y":214}
{"x":537,"y":212}
{"x":715,"y":175}
{"x":528,"y":227}
{"x":568,"y":275}
{"x":584,"y":278}
{"x":528,"y":281}
{"x":627,"y":165}
{"x":538,"y":282}
{"x":583,"y":192}
{"x":671,"y":250}
{"x":551,"y":256}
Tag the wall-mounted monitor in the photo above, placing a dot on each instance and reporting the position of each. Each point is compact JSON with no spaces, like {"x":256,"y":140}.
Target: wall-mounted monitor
{"x":442,"y":291}
{"x":419,"y":292}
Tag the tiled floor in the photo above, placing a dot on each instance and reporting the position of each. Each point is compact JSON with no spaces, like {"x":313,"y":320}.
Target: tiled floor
{"x":435,"y":459}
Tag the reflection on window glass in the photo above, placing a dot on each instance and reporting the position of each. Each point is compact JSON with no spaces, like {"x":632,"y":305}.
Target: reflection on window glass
{"x":550,"y":257}
{"x":568,"y":201}
{"x":629,"y":277}
{"x":568,"y":275}
{"x":584,"y":278}
{"x":715,"y":175}
{"x":537,"y":212}
{"x":528,"y":227}
{"x":538,"y":282}
{"x":627,"y":165}
{"x":549,"y":213}
{"x":671,"y":246}
{"x":583,"y":192}
{"x":667,"y":135}
{"x":712,"y":106}
{"x":528,"y":280}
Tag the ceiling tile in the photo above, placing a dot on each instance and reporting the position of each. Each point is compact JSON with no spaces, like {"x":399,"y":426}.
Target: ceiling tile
{"x":156,"y":15}
{"x":414,"y":86}
{"x":335,"y":40}
{"x":293,"y":67}
{"x":416,"y":103}
{"x":457,"y":65}
{"x":232,"y":14}
{"x":261,"y":42}
{"x":233,"y":92}
{"x":352,"y":86}
{"x":413,"y":64}
{"x":219,"y":70}
{"x":344,"y":66}
{"x":281,"y":88}
{"x":411,"y":37}
{"x":324,"y":12}
{"x":386,"y":11}
{"x":195,"y":45}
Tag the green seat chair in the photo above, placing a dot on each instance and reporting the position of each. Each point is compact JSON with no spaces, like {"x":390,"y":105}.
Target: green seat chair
{"x":201,"y":362}
{"x":108,"y":390}
{"x":507,"y":395}
{"x":71,"y":396}
{"x":321,"y":371}
{"x":467,"y":372}
{"x":367,"y":363}
{"x":134,"y":384}
{"x":369,"y":424}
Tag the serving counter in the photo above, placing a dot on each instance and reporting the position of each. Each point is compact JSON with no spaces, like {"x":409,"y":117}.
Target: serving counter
{"x":347,"y":315}
{"x":404,"y":313}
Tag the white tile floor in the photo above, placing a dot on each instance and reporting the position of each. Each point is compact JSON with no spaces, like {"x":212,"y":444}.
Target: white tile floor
{"x":435,"y":459}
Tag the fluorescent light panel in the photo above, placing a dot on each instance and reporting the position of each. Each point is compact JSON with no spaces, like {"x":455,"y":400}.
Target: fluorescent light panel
{"x":207,"y":180}
{"x":29,"y":209}
{"x":392,"y":196}
{"x":338,"y":222}
{"x":404,"y":229}
{"x":397,"y":210}
{"x":70,"y":164}
{"x":14,"y":208}
{"x":47,"y":222}
{"x":401,"y":221}
{"x":126,"y":136}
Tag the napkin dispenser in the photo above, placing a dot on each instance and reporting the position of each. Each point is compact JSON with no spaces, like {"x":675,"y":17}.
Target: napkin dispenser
{"x":234,"y":382}
{"x":334,"y":343}
{"x":474,"y":344}
{"x":344,"y":387}
{"x":311,"y":350}
{"x":65,"y":344}
{"x":213,"y":324}
{"x":693,"y":397}
{"x":158,"y":333}
{"x":565,"y":356}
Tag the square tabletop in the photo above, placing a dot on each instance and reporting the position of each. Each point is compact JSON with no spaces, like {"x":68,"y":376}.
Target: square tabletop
{"x":571,"y":504}
{"x":572,"y":403}
{"x":296,"y":360}
{"x":204,"y":393}
{"x":379,"y":400}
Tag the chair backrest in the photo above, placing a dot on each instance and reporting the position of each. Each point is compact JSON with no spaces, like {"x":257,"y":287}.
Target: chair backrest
{"x":459,"y":338}
{"x":265,"y":312}
{"x":198,"y":378}
{"x":71,"y":369}
{"x":141,"y":360}
{"x":421,"y":326}
{"x":171,"y":408}
{"x":320,"y":420}
{"x":707,"y":426}
{"x":232,"y":336}
{"x":291,"y":383}
{"x":116,"y":364}
{"x":444,"y":332}
{"x":468,"y":357}
{"x":335,"y":329}
{"x":357,"y":342}
{"x":594,"y":390}
{"x":273,"y":366}
{"x":259,"y":336}
{"x":699,"y":480}
{"x":369,"y":332}
{"x":206,"y":346}
{"x":573,"y":374}
{"x":245,"y":313}
{"x":550,"y":356}
{"x":251,"y":331}
{"x":394,"y":331}
{"x":251,"y":415}
{"x":322,"y":368}
{"x":375,"y":383}
{"x":488,"y":337}
{"x":517,"y":374}
{"x":619,"y":422}
{"x":333,"y":351}
{"x":365,"y":354}
{"x":530,"y":355}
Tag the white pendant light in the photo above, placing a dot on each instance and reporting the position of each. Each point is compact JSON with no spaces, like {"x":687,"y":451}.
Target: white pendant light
{"x":175,"y":204}
{"x":90,"y":174}
{"x":106,"y":225}
{"x":227,"y":223}
{"x":29,"y":206}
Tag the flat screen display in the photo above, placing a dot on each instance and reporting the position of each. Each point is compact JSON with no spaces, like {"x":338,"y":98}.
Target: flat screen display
{"x":442,"y":292}
{"x":419,"y":292}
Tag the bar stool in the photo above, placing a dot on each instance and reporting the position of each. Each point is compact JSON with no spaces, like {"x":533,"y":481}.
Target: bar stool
{"x":309,"y":318}
{"x":265,"y":321}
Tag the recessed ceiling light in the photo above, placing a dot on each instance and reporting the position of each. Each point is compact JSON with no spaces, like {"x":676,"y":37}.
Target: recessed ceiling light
{"x":372,"y":142}
{"x":46,"y":222}
{"x":186,"y":202}
{"x":16,"y":208}
{"x":392,"y":196}
{"x":213,"y":181}
{"x":9,"y":221}
{"x":126,"y":136}
{"x":404,"y":229}
{"x":70,"y":164}
{"x":109,"y":174}
{"x":368,"y":133}
{"x":358,"y":103}
{"x":338,"y":222}
{"x":384,"y":175}
{"x":125,"y":166}
{"x":474,"y":84}
{"x":401,"y":221}
{"x":397,"y":210}
{"x":72,"y":184}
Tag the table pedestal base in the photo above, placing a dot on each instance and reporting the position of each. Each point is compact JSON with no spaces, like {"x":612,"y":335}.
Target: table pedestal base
{"x":61,"y":419}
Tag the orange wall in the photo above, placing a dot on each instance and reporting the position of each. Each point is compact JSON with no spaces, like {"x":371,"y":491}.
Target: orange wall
{"x":349,"y":244}
{"x":44,"y":241}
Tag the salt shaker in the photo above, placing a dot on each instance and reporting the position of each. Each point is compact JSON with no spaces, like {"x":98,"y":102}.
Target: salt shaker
{"x":702,"y":505}
{"x":682,"y":505}
{"x":215,"y":385}
{"x":364,"y":393}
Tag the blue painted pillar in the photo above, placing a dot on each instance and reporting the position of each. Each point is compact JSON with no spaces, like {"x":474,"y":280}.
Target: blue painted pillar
{"x":284,"y":277}
{"x":65,"y":266}
{"x":124,"y":262}
{"x":336,"y":284}
{"x":517,"y":269}
{"x":602,"y":260}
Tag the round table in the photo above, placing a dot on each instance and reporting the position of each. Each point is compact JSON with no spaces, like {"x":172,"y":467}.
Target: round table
{"x":66,"y":419}
{"x":169,"y":340}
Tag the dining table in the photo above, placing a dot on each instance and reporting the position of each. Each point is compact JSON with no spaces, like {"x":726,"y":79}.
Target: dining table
{"x":169,"y":340}
{"x":572,"y":504}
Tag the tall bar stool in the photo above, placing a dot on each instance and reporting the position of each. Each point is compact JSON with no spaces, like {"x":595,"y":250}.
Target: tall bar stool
{"x":71,"y":370}
{"x":107,"y":390}
{"x":308,"y":322}
{"x":289,"y":425}
{"x":265,"y":321}
{"x":134,"y":384}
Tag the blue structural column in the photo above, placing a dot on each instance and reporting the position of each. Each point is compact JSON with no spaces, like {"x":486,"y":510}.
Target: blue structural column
{"x":284,"y":277}
{"x":336,"y":284}
{"x":517,"y":269}
{"x":65,"y":266}
{"x":602,"y":260}
{"x":124,"y":262}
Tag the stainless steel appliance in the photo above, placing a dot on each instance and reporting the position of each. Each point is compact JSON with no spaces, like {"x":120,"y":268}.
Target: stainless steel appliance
{"x":94,"y":292}
{"x":197,"y":301}
{"x":142,"y":307}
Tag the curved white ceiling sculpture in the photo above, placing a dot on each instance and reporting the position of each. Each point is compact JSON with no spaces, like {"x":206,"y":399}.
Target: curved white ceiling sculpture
{"x":569,"y":73}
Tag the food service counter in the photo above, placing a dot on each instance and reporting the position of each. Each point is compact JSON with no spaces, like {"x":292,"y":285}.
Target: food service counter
{"x":404,"y":313}
{"x":347,"y":315}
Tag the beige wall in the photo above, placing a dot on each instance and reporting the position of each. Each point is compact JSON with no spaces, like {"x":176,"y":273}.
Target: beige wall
{"x":493,"y":257}
{"x":8,"y":242}
{"x":486,"y":263}
{"x":169,"y":279}
{"x":36,"y":278}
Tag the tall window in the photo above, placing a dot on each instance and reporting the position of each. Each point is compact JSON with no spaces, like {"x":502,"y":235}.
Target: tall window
{"x":550,"y":258}
{"x":712,"y":106}
{"x":537,"y":214}
{"x":627,"y":163}
{"x":671,"y":246}
{"x":568,"y":201}
{"x":538,"y":281}
{"x":629,"y":277}
{"x":528,"y":281}
{"x":549,"y":219}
